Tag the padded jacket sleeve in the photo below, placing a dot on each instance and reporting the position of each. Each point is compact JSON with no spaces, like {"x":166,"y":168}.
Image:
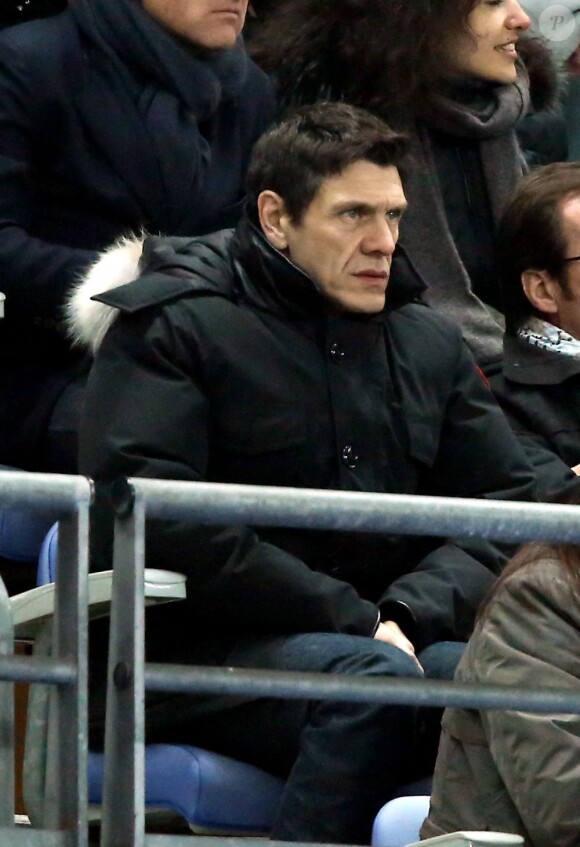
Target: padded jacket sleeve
{"x":477,"y":456}
{"x":531,"y":637}
{"x":554,"y":475}
{"x":147,"y":414}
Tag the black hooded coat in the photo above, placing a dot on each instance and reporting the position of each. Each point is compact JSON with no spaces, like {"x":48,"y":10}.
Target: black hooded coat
{"x":223,"y":364}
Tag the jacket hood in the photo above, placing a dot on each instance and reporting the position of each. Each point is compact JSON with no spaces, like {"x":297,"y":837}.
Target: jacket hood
{"x":240,"y":265}
{"x":91,"y":310}
{"x":87,"y":320}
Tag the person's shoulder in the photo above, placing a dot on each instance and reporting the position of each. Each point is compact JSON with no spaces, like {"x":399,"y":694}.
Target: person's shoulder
{"x":42,"y":38}
{"x":47,"y":52}
{"x":547,"y":577}
{"x":534,"y":617}
{"x":542,"y":590}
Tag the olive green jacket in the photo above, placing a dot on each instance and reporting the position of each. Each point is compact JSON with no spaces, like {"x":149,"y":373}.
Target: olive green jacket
{"x":516,"y":771}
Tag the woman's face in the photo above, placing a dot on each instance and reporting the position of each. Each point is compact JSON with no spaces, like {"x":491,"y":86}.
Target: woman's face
{"x":487,"y":49}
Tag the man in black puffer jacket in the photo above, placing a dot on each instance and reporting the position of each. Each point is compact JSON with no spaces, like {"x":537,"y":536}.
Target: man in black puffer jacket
{"x":268,"y":356}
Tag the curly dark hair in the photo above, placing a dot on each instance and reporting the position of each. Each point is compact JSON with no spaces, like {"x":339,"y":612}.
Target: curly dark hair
{"x":384,"y":55}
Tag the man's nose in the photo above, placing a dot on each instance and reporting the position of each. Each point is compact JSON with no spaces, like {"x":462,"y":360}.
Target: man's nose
{"x":517,"y":17}
{"x":379,"y":238}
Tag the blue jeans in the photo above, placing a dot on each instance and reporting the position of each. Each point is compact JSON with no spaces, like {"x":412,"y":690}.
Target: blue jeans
{"x":342,"y":761}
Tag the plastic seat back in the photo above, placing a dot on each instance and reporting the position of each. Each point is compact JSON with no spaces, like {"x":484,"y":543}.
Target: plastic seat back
{"x":399,"y":821}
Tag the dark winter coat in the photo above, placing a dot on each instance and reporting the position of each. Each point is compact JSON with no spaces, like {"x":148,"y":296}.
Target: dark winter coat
{"x":224,"y":365}
{"x":77,"y":170}
{"x":539,"y":391}
{"x":516,"y":771}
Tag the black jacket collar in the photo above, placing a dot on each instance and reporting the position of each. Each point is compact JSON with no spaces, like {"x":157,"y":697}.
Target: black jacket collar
{"x":269,"y":279}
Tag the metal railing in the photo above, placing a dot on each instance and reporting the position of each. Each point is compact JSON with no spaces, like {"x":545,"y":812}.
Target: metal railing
{"x":129,"y":677}
{"x":217,"y":503}
{"x":66,"y":774}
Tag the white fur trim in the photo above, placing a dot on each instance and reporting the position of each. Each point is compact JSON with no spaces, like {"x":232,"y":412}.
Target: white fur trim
{"x":88,"y":321}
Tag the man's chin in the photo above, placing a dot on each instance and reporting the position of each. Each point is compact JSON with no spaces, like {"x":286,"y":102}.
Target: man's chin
{"x":369,"y":306}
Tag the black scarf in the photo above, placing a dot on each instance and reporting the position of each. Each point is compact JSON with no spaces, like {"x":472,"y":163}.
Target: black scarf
{"x":168,"y":91}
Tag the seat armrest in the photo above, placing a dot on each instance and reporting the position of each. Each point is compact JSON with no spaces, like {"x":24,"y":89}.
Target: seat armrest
{"x":31,"y":609}
{"x":471,"y":839}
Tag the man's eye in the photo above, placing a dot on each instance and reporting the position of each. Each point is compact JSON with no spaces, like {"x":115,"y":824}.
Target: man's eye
{"x":351,"y":214}
{"x":394,"y":215}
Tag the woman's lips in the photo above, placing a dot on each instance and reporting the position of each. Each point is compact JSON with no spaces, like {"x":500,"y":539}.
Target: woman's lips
{"x":508,"y":49}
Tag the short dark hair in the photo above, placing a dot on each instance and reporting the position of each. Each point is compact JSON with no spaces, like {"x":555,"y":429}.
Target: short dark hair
{"x":315,"y":142}
{"x":531,"y":235}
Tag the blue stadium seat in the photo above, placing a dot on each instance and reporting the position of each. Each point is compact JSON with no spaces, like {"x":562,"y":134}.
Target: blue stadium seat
{"x":22,"y":531}
{"x":399,"y":821}
{"x":214,"y":793}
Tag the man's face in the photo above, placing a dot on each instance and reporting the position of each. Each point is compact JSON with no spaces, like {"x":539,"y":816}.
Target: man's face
{"x":347,"y":235}
{"x":213,"y":24}
{"x":567,"y":298}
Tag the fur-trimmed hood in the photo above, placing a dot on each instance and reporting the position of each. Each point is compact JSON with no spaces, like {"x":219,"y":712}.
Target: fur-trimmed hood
{"x":201,"y":259}
{"x":87,"y":320}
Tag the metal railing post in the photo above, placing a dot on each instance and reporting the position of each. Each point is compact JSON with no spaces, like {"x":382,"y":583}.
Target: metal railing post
{"x":66,"y":671}
{"x":6,"y":716}
{"x":66,"y":779}
{"x":123,"y":817}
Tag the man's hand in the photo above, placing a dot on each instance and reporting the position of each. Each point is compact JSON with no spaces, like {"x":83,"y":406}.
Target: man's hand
{"x":576,"y":470}
{"x":391,"y":632}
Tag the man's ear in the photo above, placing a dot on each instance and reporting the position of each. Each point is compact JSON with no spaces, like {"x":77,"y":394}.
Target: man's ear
{"x":274,"y":218}
{"x":542,"y":291}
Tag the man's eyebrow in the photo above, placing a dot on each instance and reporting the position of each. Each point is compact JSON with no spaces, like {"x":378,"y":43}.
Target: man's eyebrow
{"x":356,"y":206}
{"x":367,"y":208}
